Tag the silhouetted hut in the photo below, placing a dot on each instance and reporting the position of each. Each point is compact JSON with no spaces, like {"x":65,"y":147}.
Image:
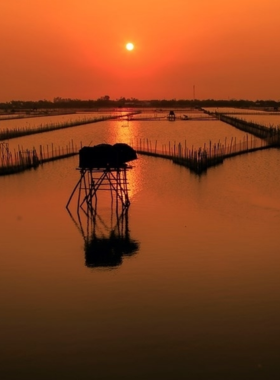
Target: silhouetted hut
{"x":123,"y":153}
{"x":171,"y":115}
{"x":106,"y":156}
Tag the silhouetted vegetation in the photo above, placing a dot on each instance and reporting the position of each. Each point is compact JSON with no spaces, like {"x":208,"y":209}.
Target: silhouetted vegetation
{"x":105,"y":102}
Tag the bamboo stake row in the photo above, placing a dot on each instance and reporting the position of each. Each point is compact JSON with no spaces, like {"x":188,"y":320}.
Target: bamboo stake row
{"x":6,"y":134}
{"x":22,"y":159}
{"x":199,"y":159}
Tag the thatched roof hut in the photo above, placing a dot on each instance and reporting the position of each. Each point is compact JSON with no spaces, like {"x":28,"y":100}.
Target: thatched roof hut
{"x":106,"y":156}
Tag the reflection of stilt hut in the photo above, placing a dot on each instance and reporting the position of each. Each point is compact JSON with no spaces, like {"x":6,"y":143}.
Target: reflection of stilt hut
{"x":103,"y":167}
{"x":171,"y":116}
{"x":108,"y":249}
{"x":106,"y":240}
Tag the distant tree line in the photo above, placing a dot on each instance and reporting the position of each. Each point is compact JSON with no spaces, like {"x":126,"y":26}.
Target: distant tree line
{"x":105,"y":101}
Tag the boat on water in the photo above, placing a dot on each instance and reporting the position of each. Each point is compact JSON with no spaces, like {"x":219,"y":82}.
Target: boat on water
{"x":185,"y":117}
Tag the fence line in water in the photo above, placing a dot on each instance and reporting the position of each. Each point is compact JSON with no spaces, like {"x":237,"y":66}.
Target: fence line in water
{"x":199,"y":159}
{"x":22,"y":159}
{"x":211,"y":149}
{"x":20,"y":132}
{"x":196,"y":159}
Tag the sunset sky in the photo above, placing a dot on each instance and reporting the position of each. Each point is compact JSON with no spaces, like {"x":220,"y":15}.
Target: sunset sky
{"x":182,"y":48}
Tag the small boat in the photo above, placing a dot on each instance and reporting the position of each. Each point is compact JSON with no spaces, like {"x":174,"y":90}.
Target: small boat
{"x":185,"y":117}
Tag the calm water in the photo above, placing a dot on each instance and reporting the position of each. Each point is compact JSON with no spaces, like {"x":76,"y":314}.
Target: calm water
{"x":269,"y":120}
{"x":41,"y":121}
{"x":196,"y":296}
{"x":194,"y":132}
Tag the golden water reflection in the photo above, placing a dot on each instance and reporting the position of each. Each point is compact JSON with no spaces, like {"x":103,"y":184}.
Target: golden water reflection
{"x":127,"y":131}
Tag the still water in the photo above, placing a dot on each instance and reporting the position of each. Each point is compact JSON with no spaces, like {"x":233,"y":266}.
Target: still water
{"x":196,"y":298}
{"x":200,"y":129}
{"x":44,"y":120}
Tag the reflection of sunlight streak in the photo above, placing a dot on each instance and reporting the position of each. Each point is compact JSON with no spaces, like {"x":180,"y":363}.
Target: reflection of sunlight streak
{"x":134,"y":180}
{"x":123,"y":131}
{"x":127,"y":131}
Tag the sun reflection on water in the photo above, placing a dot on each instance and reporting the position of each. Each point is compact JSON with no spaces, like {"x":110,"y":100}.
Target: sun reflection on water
{"x":134,"y":177}
{"x":127,"y":131}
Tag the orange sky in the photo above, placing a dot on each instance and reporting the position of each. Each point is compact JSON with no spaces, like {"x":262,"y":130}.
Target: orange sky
{"x":76,"y":49}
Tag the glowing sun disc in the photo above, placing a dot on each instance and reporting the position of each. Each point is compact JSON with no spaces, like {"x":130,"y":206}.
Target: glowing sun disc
{"x":129,"y":46}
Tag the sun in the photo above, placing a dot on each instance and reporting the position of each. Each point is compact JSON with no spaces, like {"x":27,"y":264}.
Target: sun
{"x":129,"y":46}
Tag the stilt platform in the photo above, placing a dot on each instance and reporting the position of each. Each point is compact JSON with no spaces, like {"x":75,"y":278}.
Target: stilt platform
{"x":94,"y":180}
{"x":103,"y":167}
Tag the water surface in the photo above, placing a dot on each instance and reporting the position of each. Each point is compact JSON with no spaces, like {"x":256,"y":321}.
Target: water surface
{"x":197,"y":299}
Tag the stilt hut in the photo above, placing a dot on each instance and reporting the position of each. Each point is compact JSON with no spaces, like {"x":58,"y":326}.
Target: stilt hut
{"x":171,"y":116}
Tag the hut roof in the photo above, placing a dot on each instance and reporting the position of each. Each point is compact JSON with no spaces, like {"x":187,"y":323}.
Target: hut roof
{"x":106,"y":155}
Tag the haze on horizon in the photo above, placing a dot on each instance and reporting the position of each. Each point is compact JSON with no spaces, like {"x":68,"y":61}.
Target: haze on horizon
{"x":76,"y":49}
